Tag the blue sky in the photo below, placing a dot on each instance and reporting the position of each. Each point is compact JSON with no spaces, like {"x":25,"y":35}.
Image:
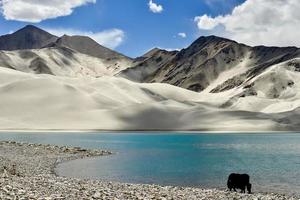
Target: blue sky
{"x":142,"y":28}
{"x":132,"y":28}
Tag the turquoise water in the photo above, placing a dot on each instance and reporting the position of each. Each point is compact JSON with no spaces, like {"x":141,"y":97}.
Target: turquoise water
{"x":202,"y":160}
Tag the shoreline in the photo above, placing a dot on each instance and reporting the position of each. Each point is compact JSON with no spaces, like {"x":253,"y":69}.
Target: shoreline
{"x":30,"y":174}
{"x":93,"y":131}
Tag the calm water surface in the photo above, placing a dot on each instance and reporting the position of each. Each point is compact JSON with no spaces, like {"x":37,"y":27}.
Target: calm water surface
{"x":182,"y":159}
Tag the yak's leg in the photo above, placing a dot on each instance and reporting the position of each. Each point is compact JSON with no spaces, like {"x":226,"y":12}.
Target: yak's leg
{"x":243,"y":189}
{"x":234,"y":189}
{"x":249,"y":186}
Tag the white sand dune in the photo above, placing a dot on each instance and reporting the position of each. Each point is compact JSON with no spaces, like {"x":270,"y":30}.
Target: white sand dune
{"x":31,"y":101}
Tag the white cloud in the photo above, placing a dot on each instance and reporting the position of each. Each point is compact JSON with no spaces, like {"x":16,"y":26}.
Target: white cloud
{"x":172,"y":49}
{"x":38,"y":10}
{"x":155,"y":8}
{"x":163,"y":48}
{"x":109,"y":38}
{"x":206,"y":22}
{"x":183,"y":35}
{"x":258,"y":22}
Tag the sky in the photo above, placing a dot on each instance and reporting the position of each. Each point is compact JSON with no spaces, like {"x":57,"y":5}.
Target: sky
{"x":133,"y":27}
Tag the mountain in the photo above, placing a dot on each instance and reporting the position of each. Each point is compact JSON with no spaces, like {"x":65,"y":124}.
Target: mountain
{"x":145,"y":66}
{"x":29,"y":37}
{"x":33,"y":50}
{"x":88,"y":46}
{"x":72,"y":82}
{"x":229,"y":75}
{"x":213,"y":64}
{"x":197,"y":66}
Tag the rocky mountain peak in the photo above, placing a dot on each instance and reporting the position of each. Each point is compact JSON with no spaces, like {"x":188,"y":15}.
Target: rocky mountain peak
{"x":29,"y":37}
{"x":211,"y":41}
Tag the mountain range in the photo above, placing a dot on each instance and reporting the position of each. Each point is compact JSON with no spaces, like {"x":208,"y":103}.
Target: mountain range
{"x":213,"y":84}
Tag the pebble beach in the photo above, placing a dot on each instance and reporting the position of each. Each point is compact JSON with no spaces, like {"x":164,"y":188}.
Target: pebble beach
{"x":27,"y":172}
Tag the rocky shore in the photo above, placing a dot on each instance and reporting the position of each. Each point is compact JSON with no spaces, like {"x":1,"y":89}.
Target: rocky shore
{"x":27,"y":172}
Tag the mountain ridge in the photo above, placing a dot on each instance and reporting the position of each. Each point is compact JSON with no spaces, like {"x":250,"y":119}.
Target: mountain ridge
{"x":199,"y":67}
{"x":86,"y":45}
{"x":202,"y":63}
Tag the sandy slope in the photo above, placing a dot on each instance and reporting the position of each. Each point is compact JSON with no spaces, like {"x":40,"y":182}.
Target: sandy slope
{"x":277,"y":90}
{"x":60,"y":61}
{"x":30,"y":101}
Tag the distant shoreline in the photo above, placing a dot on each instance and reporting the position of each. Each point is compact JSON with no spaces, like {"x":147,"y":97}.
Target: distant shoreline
{"x":139,"y":131}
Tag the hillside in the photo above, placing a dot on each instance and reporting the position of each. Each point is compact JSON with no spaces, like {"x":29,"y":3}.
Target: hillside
{"x":59,"y":61}
{"x":145,"y":66}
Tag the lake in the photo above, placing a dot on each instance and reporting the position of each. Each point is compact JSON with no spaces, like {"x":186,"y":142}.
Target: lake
{"x":182,"y":159}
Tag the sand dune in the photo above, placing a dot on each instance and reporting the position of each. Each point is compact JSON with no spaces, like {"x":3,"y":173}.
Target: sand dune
{"x":31,"y":101}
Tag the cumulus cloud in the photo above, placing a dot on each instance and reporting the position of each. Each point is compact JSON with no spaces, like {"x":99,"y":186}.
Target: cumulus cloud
{"x":109,"y":38}
{"x":256,"y":22}
{"x":183,"y":35}
{"x":155,"y":8}
{"x":38,"y":10}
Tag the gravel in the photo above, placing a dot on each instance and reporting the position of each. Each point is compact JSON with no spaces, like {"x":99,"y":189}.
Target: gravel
{"x":27,"y":172}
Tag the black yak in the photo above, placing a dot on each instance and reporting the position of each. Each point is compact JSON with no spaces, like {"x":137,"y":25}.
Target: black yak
{"x":239,"y":181}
